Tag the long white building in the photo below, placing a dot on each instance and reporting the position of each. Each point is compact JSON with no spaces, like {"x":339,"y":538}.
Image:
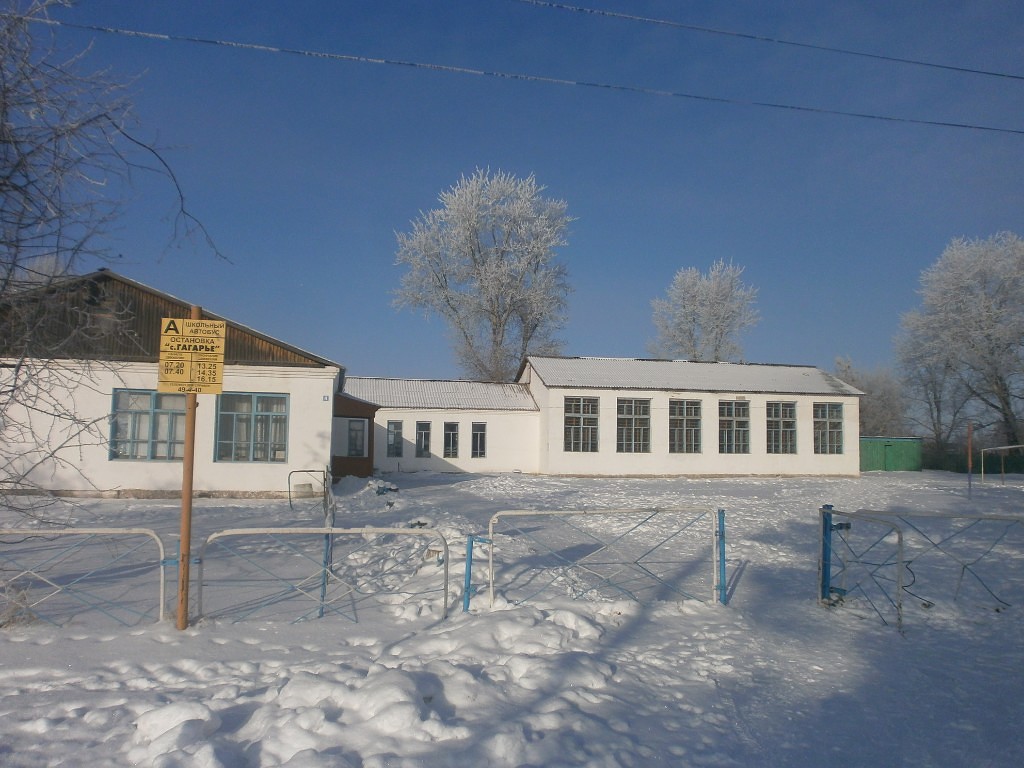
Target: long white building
{"x":95,"y":422}
{"x":604,"y":416}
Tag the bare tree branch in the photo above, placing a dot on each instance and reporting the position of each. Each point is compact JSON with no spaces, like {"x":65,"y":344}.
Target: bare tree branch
{"x":66,"y":158}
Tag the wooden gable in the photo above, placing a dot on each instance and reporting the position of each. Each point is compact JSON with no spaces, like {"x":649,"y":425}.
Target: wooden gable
{"x":105,"y":316}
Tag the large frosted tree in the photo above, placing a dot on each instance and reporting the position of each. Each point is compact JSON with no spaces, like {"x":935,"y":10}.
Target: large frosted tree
{"x":702,"y":316}
{"x":971,"y":325}
{"x":486,"y":262}
{"x":939,"y":404}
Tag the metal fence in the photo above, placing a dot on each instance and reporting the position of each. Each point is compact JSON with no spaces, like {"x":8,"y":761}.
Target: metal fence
{"x":63,"y":575}
{"x":889,"y":563}
{"x":643,"y":555}
{"x":119,"y":574}
{"x":305,"y":573}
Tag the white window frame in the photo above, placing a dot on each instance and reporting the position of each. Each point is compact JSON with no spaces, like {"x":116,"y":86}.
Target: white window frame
{"x":684,"y":426}
{"x":478,"y":448}
{"x":451,"y":440}
{"x":733,"y":426}
{"x":581,"y":424}
{"x":633,"y":425}
{"x":394,"y":439}
{"x":780,"y":424}
{"x":422,"y":439}
{"x":828,"y":428}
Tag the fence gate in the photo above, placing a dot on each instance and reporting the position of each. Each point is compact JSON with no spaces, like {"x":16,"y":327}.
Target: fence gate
{"x":306,"y":573}
{"x":63,"y":575}
{"x":645,"y":555}
{"x":888,"y":563}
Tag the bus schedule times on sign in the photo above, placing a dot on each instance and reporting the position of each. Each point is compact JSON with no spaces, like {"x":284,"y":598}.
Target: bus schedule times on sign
{"x":191,"y":356}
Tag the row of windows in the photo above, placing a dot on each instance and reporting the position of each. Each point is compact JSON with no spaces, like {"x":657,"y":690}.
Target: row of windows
{"x":633,"y":426}
{"x":150,"y":426}
{"x":253,"y":427}
{"x":478,"y":440}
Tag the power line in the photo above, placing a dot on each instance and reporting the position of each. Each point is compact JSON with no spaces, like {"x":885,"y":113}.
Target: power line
{"x":764,"y":39}
{"x":518,"y":76}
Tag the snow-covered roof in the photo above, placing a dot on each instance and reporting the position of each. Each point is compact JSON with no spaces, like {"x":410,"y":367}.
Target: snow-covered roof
{"x":434,"y":393}
{"x":685,"y":375}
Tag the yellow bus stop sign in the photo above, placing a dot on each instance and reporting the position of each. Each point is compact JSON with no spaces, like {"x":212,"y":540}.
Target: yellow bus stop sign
{"x":191,"y":356}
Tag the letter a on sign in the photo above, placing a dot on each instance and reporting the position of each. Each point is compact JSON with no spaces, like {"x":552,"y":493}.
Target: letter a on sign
{"x":171,"y":327}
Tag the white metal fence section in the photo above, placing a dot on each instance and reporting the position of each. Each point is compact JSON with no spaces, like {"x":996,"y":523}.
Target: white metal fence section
{"x":60,"y":575}
{"x":643,"y":555}
{"x":309,"y":490}
{"x":306,"y":573}
{"x":943,"y":565}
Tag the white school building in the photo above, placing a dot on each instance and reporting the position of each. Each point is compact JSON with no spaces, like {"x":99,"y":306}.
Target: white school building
{"x":282,"y":410}
{"x":630,"y":417}
{"x":94,"y":423}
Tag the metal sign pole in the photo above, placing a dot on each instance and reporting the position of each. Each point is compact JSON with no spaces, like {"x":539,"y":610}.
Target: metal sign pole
{"x":187,"y":471}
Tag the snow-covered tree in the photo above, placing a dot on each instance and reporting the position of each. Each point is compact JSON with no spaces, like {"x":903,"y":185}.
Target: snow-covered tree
{"x":971,"y":323}
{"x":883,"y":409}
{"x":486,"y":263}
{"x":702,"y":316}
{"x":939,"y":404}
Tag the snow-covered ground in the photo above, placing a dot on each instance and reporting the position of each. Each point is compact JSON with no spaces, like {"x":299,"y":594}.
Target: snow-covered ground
{"x":772,"y":679}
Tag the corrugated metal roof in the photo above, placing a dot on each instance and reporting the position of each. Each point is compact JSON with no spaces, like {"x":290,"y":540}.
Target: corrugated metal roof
{"x":684,"y":375}
{"x":424,"y":393}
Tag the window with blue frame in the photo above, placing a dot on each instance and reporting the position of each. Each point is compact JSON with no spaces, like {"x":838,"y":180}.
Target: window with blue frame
{"x":147,"y":426}
{"x":252,"y":426}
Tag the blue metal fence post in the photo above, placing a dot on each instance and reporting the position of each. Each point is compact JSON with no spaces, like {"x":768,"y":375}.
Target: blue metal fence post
{"x":826,"y":552}
{"x":469,"y":574}
{"x":723,"y":594}
{"x":467,"y":588}
{"x":328,"y":564}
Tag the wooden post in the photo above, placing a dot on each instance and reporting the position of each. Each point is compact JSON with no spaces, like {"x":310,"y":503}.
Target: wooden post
{"x":187,"y":470}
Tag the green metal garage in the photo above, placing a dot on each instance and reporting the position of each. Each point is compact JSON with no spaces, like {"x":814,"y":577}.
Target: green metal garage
{"x":890,"y":454}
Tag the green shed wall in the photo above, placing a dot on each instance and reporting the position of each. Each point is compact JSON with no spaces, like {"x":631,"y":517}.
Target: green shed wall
{"x":890,"y":454}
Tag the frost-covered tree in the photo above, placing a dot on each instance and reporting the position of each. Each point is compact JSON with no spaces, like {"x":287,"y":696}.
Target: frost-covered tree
{"x":883,"y":409}
{"x":939,"y":404}
{"x":971,"y":324}
{"x":702,"y":316}
{"x":486,"y":263}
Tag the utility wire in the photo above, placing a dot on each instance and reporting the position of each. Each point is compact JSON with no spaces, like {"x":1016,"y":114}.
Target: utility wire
{"x":763,"y":39}
{"x":517,"y":76}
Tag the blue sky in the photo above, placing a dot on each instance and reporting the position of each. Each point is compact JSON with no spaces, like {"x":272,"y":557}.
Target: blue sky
{"x":304,"y":168}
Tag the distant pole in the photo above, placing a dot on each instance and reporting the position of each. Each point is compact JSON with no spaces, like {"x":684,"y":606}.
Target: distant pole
{"x":187,"y":470}
{"x":970,"y":459}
